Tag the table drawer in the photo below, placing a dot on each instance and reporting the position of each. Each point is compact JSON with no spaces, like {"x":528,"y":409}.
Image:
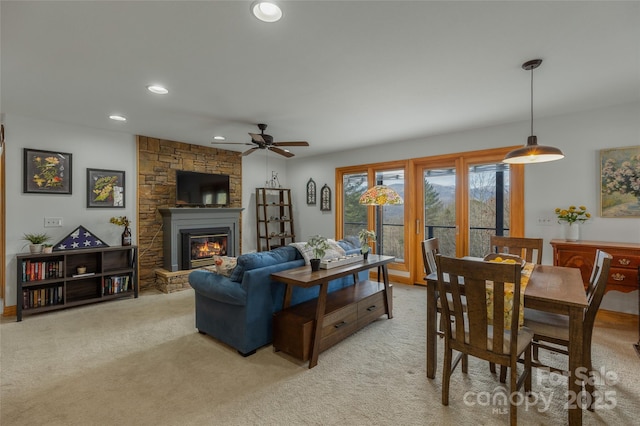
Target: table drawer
{"x":371,"y":308}
{"x":338,"y":325}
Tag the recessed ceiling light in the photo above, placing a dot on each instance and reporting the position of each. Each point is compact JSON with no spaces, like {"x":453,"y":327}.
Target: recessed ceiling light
{"x":266,"y":11}
{"x":219,"y":138}
{"x":154,"y":88}
{"x":117,"y":117}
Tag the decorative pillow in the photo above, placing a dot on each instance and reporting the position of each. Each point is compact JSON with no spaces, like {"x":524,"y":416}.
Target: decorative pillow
{"x":249,"y":261}
{"x":225,"y":265}
{"x":307,"y":252}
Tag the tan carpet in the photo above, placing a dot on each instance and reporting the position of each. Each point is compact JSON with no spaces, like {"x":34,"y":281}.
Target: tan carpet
{"x":141,"y":362}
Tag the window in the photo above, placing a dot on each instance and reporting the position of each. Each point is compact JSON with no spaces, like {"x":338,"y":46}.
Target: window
{"x":465,"y":198}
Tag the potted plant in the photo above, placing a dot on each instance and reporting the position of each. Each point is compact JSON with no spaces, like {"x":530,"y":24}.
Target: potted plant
{"x":366,"y":237}
{"x":36,"y":241}
{"x":319,"y":246}
{"x":47,"y":248}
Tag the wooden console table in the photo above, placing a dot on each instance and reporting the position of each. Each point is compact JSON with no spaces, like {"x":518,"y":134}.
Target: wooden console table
{"x":299,"y":330}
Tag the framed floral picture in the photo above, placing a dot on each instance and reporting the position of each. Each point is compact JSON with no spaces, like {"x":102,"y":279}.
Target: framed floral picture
{"x":105,"y":188}
{"x":46,"y":172}
{"x":620,"y":182}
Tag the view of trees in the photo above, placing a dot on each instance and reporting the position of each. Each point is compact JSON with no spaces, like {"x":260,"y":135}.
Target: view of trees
{"x":488,"y":208}
{"x":439,"y":196}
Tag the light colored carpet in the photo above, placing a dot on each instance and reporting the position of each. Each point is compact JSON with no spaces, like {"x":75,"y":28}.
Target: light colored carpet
{"x":142,"y":362}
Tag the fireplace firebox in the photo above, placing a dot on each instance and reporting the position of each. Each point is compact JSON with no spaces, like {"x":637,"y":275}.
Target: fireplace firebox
{"x":201,"y":246}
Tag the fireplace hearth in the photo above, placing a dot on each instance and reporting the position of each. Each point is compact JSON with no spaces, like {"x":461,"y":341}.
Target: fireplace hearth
{"x":200,"y":247}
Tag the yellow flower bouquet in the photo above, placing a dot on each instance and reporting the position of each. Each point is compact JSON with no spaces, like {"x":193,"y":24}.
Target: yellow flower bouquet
{"x":572,"y":214}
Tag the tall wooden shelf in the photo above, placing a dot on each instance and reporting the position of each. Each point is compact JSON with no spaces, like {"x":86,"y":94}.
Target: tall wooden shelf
{"x":49,"y":281}
{"x":274,"y":218}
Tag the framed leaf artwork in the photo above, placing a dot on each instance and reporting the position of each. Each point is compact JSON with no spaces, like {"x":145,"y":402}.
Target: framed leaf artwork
{"x":46,"y":172}
{"x":105,"y":188}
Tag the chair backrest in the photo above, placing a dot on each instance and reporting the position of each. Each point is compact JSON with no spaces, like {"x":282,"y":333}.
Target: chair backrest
{"x":430,"y":248}
{"x":530,"y":249}
{"x":597,"y":286}
{"x":470,"y":278}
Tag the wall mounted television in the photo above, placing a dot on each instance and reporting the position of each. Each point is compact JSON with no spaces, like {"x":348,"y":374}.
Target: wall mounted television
{"x":194,"y":189}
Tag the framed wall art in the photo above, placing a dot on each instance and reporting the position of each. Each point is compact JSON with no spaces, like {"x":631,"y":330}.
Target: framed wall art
{"x":105,"y":188}
{"x":620,"y":182}
{"x":325,"y":198}
{"x":311,"y":192}
{"x":46,"y":172}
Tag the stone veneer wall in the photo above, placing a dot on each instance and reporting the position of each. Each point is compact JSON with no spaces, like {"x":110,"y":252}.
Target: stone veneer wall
{"x":158,"y":161}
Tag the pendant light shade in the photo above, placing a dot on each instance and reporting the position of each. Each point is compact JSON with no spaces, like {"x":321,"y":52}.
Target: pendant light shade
{"x":532,"y":152}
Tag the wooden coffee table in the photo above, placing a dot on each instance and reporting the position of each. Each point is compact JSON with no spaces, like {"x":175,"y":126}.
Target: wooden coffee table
{"x":350,"y":308}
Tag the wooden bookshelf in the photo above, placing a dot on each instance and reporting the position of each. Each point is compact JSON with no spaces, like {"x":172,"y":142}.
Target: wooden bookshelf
{"x":49,"y":281}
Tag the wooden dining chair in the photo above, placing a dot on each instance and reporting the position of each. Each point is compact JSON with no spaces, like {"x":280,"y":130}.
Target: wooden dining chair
{"x":472,"y":332}
{"x":551,"y":331}
{"x":430,"y":249}
{"x":530,"y":249}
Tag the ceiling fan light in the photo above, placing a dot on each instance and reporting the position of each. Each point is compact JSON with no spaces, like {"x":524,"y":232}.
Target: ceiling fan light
{"x":266,"y":11}
{"x":533,"y":153}
{"x":158,"y":90}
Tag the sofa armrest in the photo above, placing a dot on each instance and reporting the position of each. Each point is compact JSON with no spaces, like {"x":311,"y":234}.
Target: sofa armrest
{"x":218,"y":287}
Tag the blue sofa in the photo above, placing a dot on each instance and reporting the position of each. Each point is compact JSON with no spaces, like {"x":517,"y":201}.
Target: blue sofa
{"x":238,"y":310}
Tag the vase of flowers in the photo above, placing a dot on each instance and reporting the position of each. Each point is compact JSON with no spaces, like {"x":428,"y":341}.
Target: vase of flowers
{"x":572,"y":218}
{"x":126,"y":234}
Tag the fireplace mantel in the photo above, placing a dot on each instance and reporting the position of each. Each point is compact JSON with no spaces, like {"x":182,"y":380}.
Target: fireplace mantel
{"x":175,"y":219}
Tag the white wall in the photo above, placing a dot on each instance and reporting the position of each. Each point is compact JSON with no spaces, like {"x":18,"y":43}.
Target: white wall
{"x":257,"y":169}
{"x":90,"y":148}
{"x":573,"y":180}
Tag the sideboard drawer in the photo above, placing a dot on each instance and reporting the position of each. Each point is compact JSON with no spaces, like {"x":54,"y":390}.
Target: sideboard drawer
{"x":624,"y":277}
{"x":625,"y":261}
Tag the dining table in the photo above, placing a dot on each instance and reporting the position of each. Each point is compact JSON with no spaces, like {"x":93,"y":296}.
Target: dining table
{"x":550,"y":288}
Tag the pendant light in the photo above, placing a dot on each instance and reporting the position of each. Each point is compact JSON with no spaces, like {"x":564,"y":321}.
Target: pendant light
{"x":532,"y":152}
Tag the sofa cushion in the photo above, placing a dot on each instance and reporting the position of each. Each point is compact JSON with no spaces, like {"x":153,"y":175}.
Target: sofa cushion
{"x":335,"y":251}
{"x":249,"y":261}
{"x":350,"y":242}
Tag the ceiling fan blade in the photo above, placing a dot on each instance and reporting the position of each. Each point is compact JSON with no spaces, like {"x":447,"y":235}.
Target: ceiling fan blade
{"x":244,"y":154}
{"x":297,"y":143}
{"x":280,"y":151}
{"x":231,"y":143}
{"x":257,"y":138}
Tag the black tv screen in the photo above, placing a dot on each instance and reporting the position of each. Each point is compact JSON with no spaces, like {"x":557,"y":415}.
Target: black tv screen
{"x":202,"y":189}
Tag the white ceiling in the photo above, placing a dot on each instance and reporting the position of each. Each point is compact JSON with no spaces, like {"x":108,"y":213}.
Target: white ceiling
{"x":339,"y":74}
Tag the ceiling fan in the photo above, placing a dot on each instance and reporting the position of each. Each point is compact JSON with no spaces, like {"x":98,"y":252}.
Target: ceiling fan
{"x":264,"y":141}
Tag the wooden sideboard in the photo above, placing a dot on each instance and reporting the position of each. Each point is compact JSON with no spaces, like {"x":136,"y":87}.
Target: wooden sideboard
{"x":623,"y":275}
